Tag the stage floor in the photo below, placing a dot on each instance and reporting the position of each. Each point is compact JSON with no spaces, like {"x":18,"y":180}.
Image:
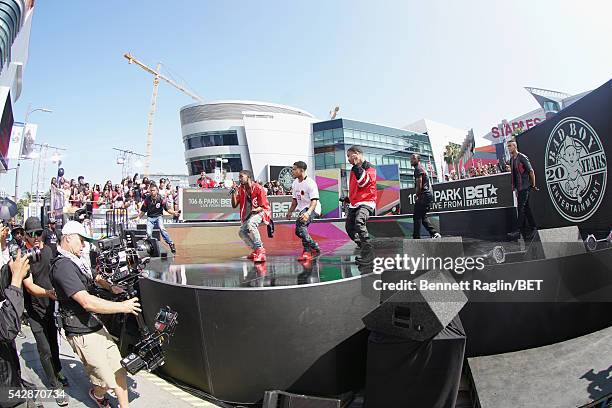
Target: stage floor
{"x":219,"y":266}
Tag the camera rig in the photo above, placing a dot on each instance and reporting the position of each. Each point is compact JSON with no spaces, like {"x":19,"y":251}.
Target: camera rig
{"x":121,"y":261}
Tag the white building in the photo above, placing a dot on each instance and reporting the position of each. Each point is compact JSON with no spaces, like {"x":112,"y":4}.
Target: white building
{"x":234,"y":135}
{"x":440,"y":135}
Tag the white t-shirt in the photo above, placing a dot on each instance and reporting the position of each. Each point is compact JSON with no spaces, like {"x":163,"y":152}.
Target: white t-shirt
{"x":305,"y":191}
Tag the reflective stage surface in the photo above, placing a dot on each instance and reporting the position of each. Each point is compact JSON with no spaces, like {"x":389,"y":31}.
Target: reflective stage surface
{"x":222,"y":267}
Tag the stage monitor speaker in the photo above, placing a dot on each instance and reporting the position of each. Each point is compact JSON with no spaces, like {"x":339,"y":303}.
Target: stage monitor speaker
{"x":557,"y":242}
{"x":419,"y":314}
{"x":281,"y":399}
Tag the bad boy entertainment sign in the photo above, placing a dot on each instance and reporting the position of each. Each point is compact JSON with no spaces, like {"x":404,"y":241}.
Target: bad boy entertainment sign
{"x":569,"y":153}
{"x":469,"y":194}
{"x":576,"y":169}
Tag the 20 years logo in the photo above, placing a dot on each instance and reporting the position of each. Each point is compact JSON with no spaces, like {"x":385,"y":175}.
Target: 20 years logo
{"x":576,"y":169}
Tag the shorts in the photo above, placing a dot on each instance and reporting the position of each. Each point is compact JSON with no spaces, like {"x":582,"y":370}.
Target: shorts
{"x":100,"y":356}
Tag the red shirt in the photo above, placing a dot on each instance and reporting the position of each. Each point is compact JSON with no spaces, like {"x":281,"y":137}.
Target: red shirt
{"x":363,"y":191}
{"x":258,"y":199}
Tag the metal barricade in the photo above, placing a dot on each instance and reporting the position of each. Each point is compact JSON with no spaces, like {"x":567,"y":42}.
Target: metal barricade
{"x":115,"y":217}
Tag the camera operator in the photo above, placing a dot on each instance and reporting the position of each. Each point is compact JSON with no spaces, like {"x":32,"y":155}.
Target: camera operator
{"x":72,"y":279}
{"x":51,"y":236}
{"x":18,"y":233}
{"x":11,"y":310}
{"x":40,"y":304}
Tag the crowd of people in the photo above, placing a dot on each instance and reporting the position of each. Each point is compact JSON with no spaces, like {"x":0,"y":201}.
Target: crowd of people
{"x":273,"y":187}
{"x":479,"y":170}
{"x":70,"y":196}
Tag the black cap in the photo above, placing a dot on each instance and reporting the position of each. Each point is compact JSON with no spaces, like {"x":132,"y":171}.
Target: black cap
{"x":32,"y":224}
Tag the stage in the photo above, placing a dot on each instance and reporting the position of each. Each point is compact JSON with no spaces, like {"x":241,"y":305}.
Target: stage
{"x":246,"y":328}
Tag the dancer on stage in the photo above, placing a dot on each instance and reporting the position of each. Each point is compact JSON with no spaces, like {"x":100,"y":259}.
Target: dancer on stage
{"x":362,"y":202}
{"x":254,"y":209}
{"x":523,"y":180}
{"x":424,"y":198}
{"x":306,"y":200}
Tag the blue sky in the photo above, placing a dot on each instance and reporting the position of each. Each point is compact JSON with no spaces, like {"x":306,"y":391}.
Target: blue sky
{"x":389,"y":62}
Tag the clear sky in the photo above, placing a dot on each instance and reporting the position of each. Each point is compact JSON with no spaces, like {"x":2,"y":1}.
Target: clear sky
{"x":463,"y":63}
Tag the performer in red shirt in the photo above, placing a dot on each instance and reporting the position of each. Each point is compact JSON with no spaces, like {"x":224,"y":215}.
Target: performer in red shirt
{"x":254,"y":209}
{"x":362,"y":202}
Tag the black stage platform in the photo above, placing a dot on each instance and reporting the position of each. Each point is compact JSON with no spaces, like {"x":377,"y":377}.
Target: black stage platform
{"x":284,"y":325}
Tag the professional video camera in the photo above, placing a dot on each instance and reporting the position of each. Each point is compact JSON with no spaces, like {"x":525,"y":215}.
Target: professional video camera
{"x":148,"y":353}
{"x":33,"y":254}
{"x":121,"y":262}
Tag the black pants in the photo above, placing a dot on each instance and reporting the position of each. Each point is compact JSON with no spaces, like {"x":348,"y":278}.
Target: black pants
{"x":525,"y":222}
{"x":420,"y":217}
{"x":45,"y":334}
{"x":356,"y":219}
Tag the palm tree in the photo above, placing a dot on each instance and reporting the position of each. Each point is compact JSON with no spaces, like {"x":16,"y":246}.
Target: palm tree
{"x":451,"y":155}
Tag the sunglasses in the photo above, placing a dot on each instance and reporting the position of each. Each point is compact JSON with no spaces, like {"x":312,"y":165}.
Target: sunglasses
{"x":35,"y":234}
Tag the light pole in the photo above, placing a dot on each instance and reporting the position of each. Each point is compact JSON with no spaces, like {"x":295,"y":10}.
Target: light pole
{"x":27,"y":115}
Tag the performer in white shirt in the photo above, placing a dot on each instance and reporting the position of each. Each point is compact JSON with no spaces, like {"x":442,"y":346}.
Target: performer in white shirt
{"x":306,"y":201}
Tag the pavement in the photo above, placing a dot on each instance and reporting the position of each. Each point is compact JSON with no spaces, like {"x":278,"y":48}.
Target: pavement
{"x":146,"y":390}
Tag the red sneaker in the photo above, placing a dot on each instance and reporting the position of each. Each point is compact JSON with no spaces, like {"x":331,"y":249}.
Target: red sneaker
{"x":306,"y":256}
{"x":315,"y":252}
{"x":251,"y":255}
{"x":259,"y":255}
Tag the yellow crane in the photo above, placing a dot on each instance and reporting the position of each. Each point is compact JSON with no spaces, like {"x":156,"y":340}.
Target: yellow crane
{"x":156,"y":77}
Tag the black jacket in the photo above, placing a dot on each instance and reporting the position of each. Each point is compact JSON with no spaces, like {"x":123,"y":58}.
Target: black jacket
{"x":11,"y":309}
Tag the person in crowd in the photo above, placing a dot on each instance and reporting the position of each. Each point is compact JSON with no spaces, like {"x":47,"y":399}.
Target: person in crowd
{"x":306,"y":201}
{"x":72,"y":280}
{"x":81,"y":184}
{"x":51,"y":236}
{"x":523,"y":182}
{"x":11,"y":311}
{"x":201,"y":181}
{"x":17,"y":237}
{"x":362,"y":202}
{"x":40,"y":304}
{"x":424,"y":198}
{"x":95,"y":196}
{"x":153,"y":206}
{"x":254,"y":209}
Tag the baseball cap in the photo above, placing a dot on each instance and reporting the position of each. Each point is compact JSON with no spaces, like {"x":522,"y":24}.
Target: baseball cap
{"x":75,"y":227}
{"x":32,"y":224}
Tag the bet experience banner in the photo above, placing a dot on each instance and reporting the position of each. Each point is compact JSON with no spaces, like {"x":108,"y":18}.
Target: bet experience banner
{"x":570,"y":153}
{"x":468,"y":194}
{"x":215,"y":204}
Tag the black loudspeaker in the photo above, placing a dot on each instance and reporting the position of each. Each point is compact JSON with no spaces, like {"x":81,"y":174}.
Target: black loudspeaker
{"x":281,"y":399}
{"x":419,"y":314}
{"x":557,"y":242}
{"x":406,"y":373}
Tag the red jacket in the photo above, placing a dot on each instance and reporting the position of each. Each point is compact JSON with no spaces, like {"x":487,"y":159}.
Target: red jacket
{"x":363,"y":191}
{"x":258,"y":199}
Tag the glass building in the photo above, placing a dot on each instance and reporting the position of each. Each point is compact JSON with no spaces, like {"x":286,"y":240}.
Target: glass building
{"x":380,"y":144}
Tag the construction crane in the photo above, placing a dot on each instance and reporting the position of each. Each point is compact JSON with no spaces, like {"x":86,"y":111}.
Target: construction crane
{"x":156,"y":77}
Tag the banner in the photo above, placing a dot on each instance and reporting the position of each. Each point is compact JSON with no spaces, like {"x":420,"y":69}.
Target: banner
{"x":570,"y":153}
{"x":29,"y":138}
{"x":467,"y":194}
{"x":199,"y":204}
{"x":16,"y":139}
{"x":387,"y":189}
{"x":282,"y":174}
{"x":328,"y":182}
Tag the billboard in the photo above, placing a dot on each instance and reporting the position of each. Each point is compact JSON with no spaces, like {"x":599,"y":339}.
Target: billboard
{"x":29,"y":138}
{"x":282,"y":174}
{"x":504,"y":130}
{"x":328,"y":182}
{"x":387,"y":189}
{"x":467,"y":194}
{"x":14,"y":151}
{"x":6,"y":126}
{"x":570,"y":153}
